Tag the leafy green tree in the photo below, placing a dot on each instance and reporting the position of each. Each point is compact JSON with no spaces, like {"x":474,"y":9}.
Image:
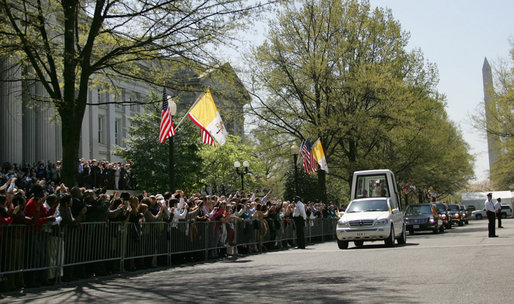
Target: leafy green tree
{"x":307,"y":186}
{"x":218,"y":167}
{"x":150,"y":159}
{"x":62,"y":44}
{"x":340,"y":71}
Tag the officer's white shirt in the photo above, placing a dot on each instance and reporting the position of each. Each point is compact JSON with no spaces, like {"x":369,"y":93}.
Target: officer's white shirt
{"x":497,"y":206}
{"x":489,"y":205}
{"x":299,"y":210}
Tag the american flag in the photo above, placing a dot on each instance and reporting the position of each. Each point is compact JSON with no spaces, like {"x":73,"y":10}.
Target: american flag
{"x":207,"y":138}
{"x":167,"y":128}
{"x":308,"y":164}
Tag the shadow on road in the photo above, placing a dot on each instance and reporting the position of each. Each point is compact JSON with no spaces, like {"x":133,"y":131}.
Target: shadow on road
{"x":220,"y":283}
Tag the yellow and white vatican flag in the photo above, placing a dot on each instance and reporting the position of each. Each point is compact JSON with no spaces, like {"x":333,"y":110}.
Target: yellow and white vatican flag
{"x":205,"y":114}
{"x":319,"y":155}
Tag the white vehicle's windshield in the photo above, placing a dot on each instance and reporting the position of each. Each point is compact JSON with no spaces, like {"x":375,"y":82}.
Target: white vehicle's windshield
{"x":368,"y":205}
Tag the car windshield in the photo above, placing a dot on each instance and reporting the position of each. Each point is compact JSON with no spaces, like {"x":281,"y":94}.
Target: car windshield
{"x":418,"y":210}
{"x":368,"y":205}
{"x":441,"y":207}
{"x":453,"y":207}
{"x":505,"y":207}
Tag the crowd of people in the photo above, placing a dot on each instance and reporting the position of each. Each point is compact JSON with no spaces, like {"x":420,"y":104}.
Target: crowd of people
{"x":42,"y":201}
{"x":91,"y":174}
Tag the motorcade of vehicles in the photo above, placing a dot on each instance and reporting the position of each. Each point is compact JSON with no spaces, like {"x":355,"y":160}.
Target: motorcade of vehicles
{"x":374,"y":212}
{"x":465,"y":214}
{"x":506,"y":211}
{"x":479,"y":214}
{"x":443,"y":211}
{"x":455,"y":214}
{"x":421,"y":217}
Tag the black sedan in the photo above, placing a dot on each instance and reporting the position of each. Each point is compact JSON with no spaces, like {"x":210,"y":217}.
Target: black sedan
{"x":423,"y":217}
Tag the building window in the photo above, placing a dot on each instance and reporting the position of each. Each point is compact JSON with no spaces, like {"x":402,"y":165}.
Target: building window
{"x":117,"y":130}
{"x":101,"y":129}
{"x":133,"y":106}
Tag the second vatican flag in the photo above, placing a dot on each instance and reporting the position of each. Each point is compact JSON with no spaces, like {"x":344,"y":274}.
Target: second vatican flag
{"x":205,"y":114}
{"x":319,"y":155}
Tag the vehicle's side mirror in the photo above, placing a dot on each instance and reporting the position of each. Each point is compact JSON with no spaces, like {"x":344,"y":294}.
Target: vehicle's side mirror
{"x":396,"y":210}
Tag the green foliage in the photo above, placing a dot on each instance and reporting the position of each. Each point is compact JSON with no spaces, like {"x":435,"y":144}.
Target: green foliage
{"x":340,"y":71}
{"x":150,"y":158}
{"x":307,"y":186}
{"x":198,"y":167}
{"x":219,"y":171}
{"x":63,"y":44}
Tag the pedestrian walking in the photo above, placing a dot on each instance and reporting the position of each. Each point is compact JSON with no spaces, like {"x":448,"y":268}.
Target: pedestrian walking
{"x":299,"y":217}
{"x":498,"y":208}
{"x":491,"y":214}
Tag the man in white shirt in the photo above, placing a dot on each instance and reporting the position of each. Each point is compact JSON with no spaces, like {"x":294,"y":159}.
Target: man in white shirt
{"x":299,"y":217}
{"x":491,"y":215}
{"x":498,"y":208}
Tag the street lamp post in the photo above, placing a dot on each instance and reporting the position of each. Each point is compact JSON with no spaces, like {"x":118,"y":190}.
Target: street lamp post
{"x":172,"y":106}
{"x":242,"y":173}
{"x":294,"y":151}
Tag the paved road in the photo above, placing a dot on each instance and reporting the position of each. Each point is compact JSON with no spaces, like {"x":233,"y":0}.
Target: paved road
{"x":460,"y":266}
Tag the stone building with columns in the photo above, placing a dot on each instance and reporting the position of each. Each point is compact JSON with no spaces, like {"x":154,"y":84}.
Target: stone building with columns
{"x":31,"y":130}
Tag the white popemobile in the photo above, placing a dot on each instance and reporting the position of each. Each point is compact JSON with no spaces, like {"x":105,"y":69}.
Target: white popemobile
{"x":374,"y":212}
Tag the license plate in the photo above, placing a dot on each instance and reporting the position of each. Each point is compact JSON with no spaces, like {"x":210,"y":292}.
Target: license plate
{"x":360,"y":233}
{"x":416,"y":226}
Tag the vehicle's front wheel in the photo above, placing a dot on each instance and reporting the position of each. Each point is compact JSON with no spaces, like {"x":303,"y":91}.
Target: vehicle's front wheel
{"x":358,"y":244}
{"x":389,"y":242}
{"x":479,"y":216}
{"x":342,"y":244}
{"x":441,"y":229}
{"x":504,"y":215}
{"x":403,"y":238}
{"x":461,"y":224}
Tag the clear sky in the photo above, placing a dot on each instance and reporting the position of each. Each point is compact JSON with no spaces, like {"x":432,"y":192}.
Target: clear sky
{"x":456,"y":35}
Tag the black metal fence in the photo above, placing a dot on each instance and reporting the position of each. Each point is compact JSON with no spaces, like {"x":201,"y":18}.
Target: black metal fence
{"x":53,"y":247}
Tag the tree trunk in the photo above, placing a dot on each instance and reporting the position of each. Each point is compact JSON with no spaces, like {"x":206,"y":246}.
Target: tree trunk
{"x":70,"y":151}
{"x":322,"y":187}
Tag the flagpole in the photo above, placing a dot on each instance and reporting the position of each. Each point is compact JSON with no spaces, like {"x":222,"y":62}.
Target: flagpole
{"x":194,"y":104}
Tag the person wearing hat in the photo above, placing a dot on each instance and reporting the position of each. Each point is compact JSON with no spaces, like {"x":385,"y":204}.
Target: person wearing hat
{"x":498,"y":208}
{"x":299,"y":217}
{"x":491,"y":215}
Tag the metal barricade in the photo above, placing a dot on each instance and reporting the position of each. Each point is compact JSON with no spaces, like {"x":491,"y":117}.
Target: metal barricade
{"x":52,"y":247}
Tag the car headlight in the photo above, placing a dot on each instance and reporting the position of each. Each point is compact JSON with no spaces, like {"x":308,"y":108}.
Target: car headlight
{"x":342,"y":224}
{"x":382,"y":222}
{"x":431,"y":219}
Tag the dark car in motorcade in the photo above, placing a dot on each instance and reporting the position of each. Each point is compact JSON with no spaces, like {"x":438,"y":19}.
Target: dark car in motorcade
{"x":455,"y":214}
{"x":421,"y":217}
{"x":465,"y":214}
{"x":444,"y":213}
